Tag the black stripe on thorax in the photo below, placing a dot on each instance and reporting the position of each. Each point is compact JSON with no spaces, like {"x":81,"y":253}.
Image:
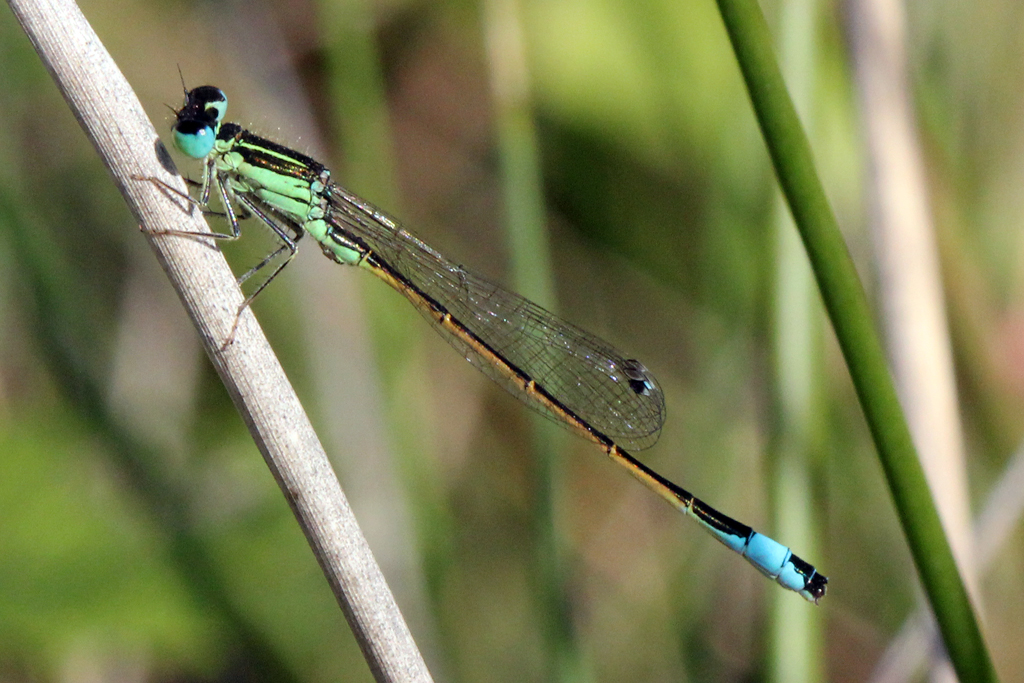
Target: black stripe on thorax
{"x":262,"y":153}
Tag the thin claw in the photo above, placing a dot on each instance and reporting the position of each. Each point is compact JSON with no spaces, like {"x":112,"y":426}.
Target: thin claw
{"x":230,"y":339}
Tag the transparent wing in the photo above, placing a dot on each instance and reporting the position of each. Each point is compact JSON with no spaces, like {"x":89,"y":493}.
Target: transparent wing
{"x":614,"y":394}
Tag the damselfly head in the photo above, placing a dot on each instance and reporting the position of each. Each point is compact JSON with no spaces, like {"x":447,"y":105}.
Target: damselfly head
{"x":196,"y":123}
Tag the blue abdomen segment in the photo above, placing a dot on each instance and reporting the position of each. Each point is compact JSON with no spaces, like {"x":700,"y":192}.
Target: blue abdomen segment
{"x":767,"y":555}
{"x":773,"y":559}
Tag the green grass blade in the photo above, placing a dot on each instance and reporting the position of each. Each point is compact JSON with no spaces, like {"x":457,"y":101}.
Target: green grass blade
{"x":851,"y":318}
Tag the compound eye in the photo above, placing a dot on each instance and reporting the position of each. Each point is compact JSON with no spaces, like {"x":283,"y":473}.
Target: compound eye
{"x":194,"y":138}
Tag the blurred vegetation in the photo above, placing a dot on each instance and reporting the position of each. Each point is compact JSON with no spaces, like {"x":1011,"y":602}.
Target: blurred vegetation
{"x":140,"y":534}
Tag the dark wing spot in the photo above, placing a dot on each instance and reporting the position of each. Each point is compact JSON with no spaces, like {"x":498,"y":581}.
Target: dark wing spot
{"x":639,"y":378}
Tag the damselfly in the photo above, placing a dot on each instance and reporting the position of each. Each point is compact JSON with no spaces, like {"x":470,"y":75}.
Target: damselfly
{"x":551,"y":365}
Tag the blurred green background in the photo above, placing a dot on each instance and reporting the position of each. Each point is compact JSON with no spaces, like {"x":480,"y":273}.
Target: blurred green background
{"x":141,"y":536}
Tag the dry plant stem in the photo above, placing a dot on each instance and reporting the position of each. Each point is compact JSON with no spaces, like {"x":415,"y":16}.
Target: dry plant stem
{"x":115,"y":122}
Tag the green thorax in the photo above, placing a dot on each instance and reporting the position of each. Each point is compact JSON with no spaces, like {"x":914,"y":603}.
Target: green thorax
{"x":291,"y":183}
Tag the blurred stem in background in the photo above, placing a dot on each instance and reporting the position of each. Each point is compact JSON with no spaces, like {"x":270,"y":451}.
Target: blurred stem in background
{"x":910,"y":289}
{"x":796,"y":634}
{"x":407,"y":521}
{"x":532,"y":277}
